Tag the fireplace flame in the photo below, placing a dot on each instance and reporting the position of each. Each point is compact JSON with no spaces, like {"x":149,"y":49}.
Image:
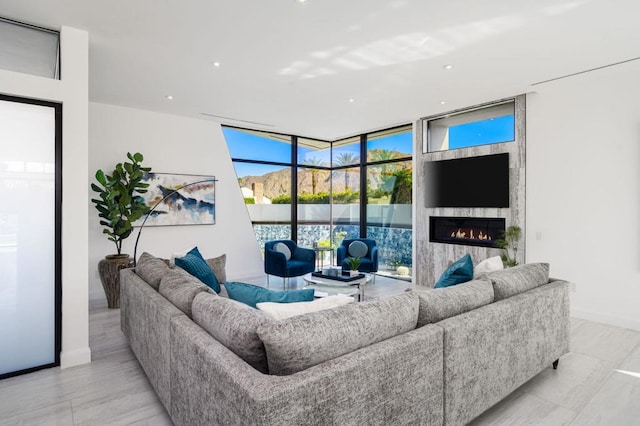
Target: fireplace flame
{"x":470,"y":234}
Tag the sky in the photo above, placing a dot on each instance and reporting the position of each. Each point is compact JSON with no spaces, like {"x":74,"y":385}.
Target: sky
{"x":499,"y":129}
{"x":253,"y":147}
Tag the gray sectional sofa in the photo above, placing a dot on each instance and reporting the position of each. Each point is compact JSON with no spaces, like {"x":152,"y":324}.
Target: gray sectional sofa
{"x":426,"y":356}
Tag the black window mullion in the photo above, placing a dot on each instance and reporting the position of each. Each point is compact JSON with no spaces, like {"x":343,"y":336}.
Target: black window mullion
{"x":294,"y":188}
{"x":363,"y":186}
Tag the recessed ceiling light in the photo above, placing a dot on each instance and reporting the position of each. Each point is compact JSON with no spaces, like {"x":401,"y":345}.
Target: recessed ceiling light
{"x":300,"y":1}
{"x":447,"y":67}
{"x":215,"y":64}
{"x":443,"y":102}
{"x":351,"y":100}
{"x":169,"y":97}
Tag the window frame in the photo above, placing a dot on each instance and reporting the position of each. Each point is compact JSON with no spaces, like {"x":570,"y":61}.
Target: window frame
{"x":361,"y":165}
{"x":427,"y":128}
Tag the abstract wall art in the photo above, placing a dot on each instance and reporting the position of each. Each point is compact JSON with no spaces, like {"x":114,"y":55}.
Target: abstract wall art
{"x":176,"y":199}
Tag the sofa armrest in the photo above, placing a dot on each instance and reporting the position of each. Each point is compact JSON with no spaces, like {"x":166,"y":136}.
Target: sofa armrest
{"x":301,"y":253}
{"x":395,"y":381}
{"x":492,"y":350}
{"x":374,"y":257}
{"x":145,"y":316}
{"x":341,"y":254}
{"x":275,"y":263}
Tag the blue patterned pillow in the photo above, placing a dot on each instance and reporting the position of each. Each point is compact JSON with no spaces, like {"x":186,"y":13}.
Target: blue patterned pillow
{"x":253,"y":294}
{"x":459,"y":272}
{"x":194,"y":263}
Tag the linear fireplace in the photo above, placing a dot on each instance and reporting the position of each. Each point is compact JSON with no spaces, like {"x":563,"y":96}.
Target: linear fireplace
{"x":469,"y":231}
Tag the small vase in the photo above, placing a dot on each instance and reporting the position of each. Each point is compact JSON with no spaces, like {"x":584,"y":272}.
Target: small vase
{"x":353,"y":273}
{"x":109,"y":269}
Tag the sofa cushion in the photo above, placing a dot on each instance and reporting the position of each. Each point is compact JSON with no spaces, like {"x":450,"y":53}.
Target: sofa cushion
{"x":487,"y":266}
{"x":437,"y":304}
{"x":194,"y":263}
{"x":217,"y":265}
{"x":180,"y":288}
{"x":253,"y":294}
{"x":280,"y":311}
{"x":300,"y":342}
{"x":512,"y":281}
{"x":460,"y":271}
{"x":151,"y":269}
{"x":234,"y":325}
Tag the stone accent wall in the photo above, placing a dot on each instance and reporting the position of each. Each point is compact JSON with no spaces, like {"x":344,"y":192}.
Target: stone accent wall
{"x":432,"y":259}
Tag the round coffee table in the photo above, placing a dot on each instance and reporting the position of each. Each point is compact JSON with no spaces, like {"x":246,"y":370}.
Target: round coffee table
{"x":327,"y":287}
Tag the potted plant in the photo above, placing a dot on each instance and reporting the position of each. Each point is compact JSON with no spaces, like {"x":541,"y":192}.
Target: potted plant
{"x":353,"y":263}
{"x":508,"y":242}
{"x":119,"y":205}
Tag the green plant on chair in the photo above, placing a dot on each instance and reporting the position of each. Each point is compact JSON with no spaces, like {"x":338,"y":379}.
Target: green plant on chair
{"x":508,"y":242}
{"x":353,"y":263}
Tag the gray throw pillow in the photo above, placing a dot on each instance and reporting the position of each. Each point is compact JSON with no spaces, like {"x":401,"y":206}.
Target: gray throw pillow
{"x":233,"y":324}
{"x":512,"y":281}
{"x":180,"y":288}
{"x":284,"y":249}
{"x":300,"y":342}
{"x":217,"y":265}
{"x":358,"y":249}
{"x":151,"y":269}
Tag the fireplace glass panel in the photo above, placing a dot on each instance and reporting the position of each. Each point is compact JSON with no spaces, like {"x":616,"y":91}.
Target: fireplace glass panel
{"x":466,"y":230}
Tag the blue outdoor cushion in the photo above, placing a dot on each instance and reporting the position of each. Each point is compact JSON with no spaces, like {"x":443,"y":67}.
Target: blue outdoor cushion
{"x":460,"y":271}
{"x":194,"y":263}
{"x":253,"y":294}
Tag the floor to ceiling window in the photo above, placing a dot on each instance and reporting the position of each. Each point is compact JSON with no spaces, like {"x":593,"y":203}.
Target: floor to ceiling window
{"x":319,"y":192}
{"x":314,"y":194}
{"x":346,"y":171}
{"x":389,"y":185}
{"x":263,"y":164}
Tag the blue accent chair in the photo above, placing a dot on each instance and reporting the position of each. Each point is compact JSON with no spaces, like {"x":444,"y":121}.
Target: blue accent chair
{"x":302,"y":260}
{"x":369,"y":263}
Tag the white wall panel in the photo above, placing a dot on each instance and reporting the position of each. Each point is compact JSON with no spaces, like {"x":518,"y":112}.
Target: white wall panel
{"x":583,"y":189}
{"x":172,"y":144}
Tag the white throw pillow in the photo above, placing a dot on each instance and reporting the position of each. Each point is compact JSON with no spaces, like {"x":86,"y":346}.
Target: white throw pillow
{"x":284,"y":249}
{"x":487,"y":266}
{"x":280,"y":311}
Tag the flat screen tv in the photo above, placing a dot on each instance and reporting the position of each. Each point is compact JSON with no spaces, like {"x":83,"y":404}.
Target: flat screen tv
{"x":468,"y":182}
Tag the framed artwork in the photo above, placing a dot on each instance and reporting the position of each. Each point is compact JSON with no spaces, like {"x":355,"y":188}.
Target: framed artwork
{"x":176,"y":199}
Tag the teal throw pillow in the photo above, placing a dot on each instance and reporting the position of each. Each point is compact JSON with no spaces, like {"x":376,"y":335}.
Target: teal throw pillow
{"x":253,"y":294}
{"x":194,"y":263}
{"x":460,"y":271}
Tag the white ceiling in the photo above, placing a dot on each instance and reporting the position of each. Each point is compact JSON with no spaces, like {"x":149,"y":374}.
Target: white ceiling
{"x":292,"y":67}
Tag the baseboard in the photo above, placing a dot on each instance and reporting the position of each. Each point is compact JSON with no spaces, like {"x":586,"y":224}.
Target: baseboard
{"x":625,"y":322}
{"x":73,"y":358}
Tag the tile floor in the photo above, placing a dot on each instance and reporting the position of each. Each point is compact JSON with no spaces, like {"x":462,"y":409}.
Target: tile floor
{"x":597,"y":383}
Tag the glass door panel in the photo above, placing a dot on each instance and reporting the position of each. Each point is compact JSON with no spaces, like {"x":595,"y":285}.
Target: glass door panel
{"x":27,"y":237}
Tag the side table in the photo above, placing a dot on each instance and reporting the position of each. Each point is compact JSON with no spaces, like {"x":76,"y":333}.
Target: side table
{"x":320,"y":251}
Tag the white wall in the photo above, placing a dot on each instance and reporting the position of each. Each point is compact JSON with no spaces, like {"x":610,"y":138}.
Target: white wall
{"x":72,"y":91}
{"x":172,"y":144}
{"x":583,"y":189}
